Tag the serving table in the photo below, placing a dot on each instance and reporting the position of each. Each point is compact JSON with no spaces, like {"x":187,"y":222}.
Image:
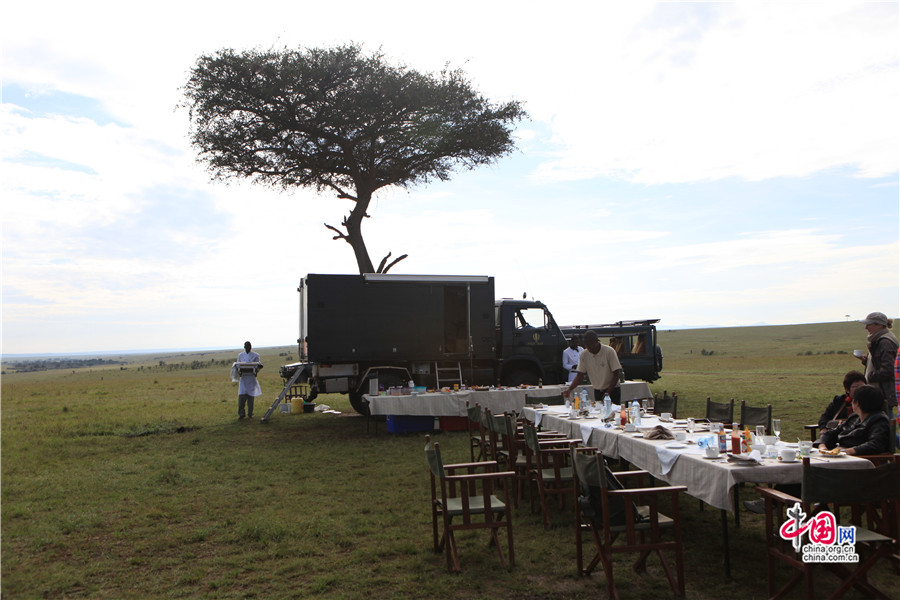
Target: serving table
{"x":497,"y":400}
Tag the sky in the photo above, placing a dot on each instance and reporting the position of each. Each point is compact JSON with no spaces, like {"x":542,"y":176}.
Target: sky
{"x":706,"y":164}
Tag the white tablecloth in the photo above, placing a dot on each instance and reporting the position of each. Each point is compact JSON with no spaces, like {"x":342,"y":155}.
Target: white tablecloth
{"x":453,"y":404}
{"x":709,"y":480}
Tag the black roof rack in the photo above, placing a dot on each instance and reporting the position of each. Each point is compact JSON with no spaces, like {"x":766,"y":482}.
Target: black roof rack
{"x":616,"y":324}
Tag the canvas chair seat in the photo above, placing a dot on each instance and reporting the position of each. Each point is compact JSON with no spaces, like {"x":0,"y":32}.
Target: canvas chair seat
{"x":455,"y":506}
{"x":644,"y":524}
{"x":565,"y":474}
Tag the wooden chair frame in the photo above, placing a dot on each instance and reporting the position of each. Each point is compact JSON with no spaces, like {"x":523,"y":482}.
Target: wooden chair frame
{"x":548,"y":471}
{"x":475,"y":431}
{"x":467,"y":491}
{"x":641,"y":535}
{"x":877,"y":521}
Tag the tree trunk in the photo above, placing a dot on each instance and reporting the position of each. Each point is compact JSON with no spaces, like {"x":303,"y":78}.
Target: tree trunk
{"x":354,"y":233}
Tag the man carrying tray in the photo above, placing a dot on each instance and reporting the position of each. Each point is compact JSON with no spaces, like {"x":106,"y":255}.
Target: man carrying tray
{"x":246,"y":368}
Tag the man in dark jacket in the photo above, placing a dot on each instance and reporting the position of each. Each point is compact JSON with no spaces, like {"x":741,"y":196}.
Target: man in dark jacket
{"x":868,"y":429}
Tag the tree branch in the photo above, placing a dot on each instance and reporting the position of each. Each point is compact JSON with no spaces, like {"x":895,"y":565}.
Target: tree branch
{"x":383,"y":269}
{"x":341,"y":193}
{"x":340,"y":234}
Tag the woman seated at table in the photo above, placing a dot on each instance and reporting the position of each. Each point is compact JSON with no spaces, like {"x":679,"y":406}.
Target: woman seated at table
{"x":866,"y":431}
{"x":839,"y":410}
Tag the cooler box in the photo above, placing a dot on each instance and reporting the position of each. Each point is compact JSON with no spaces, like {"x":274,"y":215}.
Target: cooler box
{"x":409,"y":423}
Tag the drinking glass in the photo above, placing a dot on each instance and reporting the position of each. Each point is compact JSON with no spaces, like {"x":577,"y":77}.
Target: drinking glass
{"x":776,"y":429}
{"x":690,"y":427}
{"x":760,"y":432}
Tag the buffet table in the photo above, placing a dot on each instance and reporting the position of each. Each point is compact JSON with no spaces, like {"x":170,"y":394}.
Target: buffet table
{"x":497,"y":400}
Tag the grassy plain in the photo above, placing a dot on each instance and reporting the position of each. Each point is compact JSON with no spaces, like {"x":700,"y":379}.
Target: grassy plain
{"x":138,"y":481}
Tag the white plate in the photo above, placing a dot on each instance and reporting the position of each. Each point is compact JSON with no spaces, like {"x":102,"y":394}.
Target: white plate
{"x":676,"y":446}
{"x":788,"y":461}
{"x":712,"y":457}
{"x":640,"y":435}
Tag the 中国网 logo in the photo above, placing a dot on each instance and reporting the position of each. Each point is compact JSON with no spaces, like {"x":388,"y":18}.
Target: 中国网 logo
{"x":828,"y":541}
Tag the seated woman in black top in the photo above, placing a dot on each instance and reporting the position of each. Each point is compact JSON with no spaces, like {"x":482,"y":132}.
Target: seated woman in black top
{"x":866,"y":431}
{"x":839,"y":409}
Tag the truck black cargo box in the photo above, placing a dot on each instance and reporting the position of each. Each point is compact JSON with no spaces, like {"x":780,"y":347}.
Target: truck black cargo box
{"x":350,"y":318}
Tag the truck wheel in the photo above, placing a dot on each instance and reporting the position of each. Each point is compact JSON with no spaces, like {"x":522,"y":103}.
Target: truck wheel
{"x":359,"y":403}
{"x":521,"y":377}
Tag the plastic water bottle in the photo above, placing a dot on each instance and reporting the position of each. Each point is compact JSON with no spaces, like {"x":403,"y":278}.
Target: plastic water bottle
{"x":607,"y":405}
{"x":636,"y":412}
{"x":584,"y":399}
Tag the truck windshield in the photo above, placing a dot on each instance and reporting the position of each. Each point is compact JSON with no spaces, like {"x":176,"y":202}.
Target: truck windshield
{"x":531,"y":318}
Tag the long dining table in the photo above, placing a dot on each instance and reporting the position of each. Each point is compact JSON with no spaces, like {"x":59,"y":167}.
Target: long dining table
{"x":497,"y":400}
{"x":683,"y":463}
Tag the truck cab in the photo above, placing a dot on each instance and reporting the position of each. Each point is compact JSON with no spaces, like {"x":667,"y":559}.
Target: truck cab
{"x":530,"y":343}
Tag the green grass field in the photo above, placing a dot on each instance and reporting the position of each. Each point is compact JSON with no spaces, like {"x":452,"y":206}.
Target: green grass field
{"x":138,"y":481}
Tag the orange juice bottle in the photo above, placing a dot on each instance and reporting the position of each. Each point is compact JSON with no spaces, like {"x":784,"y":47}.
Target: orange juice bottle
{"x":745,"y":439}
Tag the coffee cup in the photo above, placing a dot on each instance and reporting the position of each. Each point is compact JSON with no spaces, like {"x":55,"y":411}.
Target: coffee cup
{"x":680,"y":436}
{"x":712,"y":451}
{"x":630,"y":427}
{"x":666,"y":416}
{"x":788,"y":455}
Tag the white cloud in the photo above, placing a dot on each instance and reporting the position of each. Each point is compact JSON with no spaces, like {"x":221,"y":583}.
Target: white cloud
{"x":633,"y":94}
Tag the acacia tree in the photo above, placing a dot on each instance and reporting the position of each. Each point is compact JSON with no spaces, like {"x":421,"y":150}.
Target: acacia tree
{"x":335,"y":119}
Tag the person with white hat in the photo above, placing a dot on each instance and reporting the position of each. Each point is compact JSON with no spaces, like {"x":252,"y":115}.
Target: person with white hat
{"x":882,"y":345}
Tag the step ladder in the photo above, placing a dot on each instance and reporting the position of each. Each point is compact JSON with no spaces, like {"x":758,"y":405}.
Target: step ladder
{"x":287,"y":390}
{"x":449,"y":373}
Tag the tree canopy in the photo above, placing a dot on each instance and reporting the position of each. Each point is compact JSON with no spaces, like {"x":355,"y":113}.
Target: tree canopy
{"x":336,"y":119}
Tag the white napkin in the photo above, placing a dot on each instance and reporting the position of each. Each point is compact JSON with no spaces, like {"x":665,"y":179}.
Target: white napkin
{"x":537,"y":418}
{"x":667,"y":457}
{"x":586,"y":433}
{"x":753,"y":457}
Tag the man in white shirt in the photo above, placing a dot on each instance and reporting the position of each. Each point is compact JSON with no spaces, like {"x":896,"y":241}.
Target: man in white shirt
{"x":601,"y":363}
{"x":570,"y":356}
{"x":248,"y":388}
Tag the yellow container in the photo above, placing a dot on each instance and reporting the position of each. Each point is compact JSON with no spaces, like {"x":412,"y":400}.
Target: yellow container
{"x":296,"y":406}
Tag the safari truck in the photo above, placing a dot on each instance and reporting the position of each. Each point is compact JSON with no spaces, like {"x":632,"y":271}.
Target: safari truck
{"x":362,"y":333}
{"x":634,"y":342}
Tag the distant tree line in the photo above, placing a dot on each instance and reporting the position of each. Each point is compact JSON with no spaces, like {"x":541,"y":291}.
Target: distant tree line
{"x":27,"y":366}
{"x":187,"y":366}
